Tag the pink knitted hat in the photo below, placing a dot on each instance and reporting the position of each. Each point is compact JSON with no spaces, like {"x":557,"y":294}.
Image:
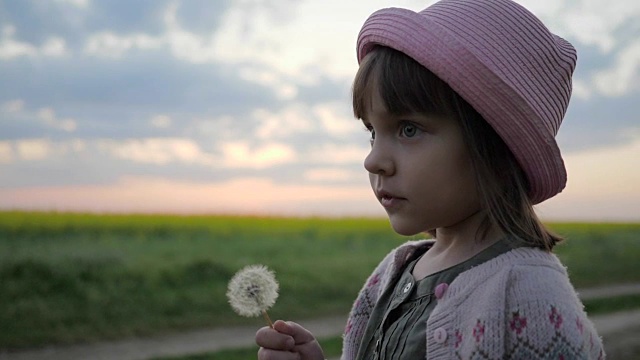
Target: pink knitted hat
{"x":503,"y":61}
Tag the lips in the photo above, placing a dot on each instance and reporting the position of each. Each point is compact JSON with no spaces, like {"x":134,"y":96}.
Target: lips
{"x":388,"y":199}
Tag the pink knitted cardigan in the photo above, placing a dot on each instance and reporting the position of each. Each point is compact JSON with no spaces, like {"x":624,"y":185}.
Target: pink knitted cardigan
{"x":519,"y":305}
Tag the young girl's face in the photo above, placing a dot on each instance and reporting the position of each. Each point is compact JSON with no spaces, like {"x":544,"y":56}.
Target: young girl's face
{"x":419,"y":169}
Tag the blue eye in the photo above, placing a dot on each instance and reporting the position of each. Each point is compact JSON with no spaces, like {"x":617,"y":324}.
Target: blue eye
{"x":409,"y":130}
{"x":371,"y":131}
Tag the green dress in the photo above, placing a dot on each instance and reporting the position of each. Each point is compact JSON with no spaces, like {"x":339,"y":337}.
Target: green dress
{"x":397,"y":327}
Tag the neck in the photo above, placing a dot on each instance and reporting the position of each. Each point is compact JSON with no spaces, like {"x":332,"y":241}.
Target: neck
{"x":457,"y":243}
{"x":465,"y":234}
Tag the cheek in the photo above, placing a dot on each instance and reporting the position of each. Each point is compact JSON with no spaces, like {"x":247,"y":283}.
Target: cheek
{"x":454,"y":178}
{"x":464,"y":187}
{"x":372,"y":180}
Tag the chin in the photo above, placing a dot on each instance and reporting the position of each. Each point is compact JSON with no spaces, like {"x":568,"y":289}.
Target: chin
{"x":405,"y":228}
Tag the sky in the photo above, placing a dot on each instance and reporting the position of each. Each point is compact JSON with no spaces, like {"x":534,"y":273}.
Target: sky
{"x":243,"y":107}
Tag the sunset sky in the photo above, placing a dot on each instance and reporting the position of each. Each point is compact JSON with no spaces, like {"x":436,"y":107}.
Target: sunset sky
{"x":243,"y":106}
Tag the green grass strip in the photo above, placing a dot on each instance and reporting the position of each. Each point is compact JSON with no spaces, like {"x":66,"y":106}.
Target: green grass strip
{"x":613,"y":304}
{"x":69,"y":278}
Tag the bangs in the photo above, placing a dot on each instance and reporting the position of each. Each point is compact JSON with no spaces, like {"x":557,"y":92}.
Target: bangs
{"x":404,"y":85}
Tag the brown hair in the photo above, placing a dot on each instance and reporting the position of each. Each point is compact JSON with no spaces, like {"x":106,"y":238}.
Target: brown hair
{"x":407,"y":87}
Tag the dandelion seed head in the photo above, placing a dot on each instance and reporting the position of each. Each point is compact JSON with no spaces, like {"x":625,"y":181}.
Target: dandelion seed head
{"x":252,"y":290}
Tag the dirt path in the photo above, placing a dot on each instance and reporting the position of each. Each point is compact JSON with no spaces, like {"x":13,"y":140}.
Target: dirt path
{"x":208,"y":340}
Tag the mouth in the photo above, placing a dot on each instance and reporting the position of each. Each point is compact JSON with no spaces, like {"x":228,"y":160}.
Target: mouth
{"x":388,"y":200}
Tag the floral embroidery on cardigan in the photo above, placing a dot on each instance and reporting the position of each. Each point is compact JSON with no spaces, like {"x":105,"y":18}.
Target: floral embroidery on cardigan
{"x":517,"y":323}
{"x":347,"y":328}
{"x":557,"y":346}
{"x":555,"y":317}
{"x":458,"y":336}
{"x":478,"y":331}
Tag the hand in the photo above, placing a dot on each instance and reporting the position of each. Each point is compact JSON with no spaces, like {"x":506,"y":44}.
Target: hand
{"x":287,"y":341}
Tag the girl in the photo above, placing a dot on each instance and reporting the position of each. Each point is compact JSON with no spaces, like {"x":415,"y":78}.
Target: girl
{"x":463,"y":101}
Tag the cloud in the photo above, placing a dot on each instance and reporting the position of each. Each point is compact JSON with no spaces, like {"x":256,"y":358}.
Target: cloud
{"x":612,"y":75}
{"x":156,"y":151}
{"x":77,"y":162}
{"x":71,"y":20}
{"x":624,"y":76}
{"x":291,"y":120}
{"x":605,"y":35}
{"x":11,"y":48}
{"x":109,"y":98}
{"x":317,"y":122}
{"x":338,"y":154}
{"x":6,"y":153}
{"x":107,"y":44}
{"x":599,"y":122}
{"x":336,"y":119}
{"x":161,"y":121}
{"x":332,"y":175}
{"x":13,"y":106}
{"x":240,"y":154}
{"x":302,"y":47}
{"x":49,"y":117}
{"x":182,"y":44}
{"x":200,"y":47}
{"x":16,"y":114}
{"x":83,"y":4}
{"x":209,"y":129}
{"x":119,"y":25}
{"x":284,"y":89}
{"x":589,"y":22}
{"x":36,"y":149}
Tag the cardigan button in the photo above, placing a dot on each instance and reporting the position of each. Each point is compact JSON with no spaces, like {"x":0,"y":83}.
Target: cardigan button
{"x":441,"y":289}
{"x":406,"y":288}
{"x":440,"y":335}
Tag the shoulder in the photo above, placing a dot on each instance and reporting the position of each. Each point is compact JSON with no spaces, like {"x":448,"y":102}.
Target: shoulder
{"x":541,"y":277}
{"x":522,"y":267}
{"x":525,"y":275}
{"x":524,"y":280}
{"x":521,"y":302}
{"x":531,"y":273}
{"x":545,"y":315}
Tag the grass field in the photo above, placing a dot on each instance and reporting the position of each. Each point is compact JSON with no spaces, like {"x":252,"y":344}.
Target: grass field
{"x":68,"y":278}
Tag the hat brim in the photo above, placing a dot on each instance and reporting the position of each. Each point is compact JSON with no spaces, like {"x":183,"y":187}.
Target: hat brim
{"x":470,"y":73}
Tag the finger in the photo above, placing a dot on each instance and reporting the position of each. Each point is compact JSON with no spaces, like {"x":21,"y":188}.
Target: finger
{"x":273,"y":339}
{"x":269,"y":354}
{"x":305,"y":343}
{"x":299,"y":334}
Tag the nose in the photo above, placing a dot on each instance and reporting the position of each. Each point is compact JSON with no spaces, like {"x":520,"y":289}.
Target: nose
{"x":379,"y":161}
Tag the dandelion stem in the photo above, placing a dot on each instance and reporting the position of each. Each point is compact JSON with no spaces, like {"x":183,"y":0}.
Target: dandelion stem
{"x":266,"y":317}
